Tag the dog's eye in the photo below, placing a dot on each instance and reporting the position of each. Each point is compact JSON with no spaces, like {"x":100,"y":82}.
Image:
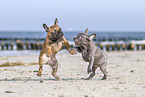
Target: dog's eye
{"x":59,"y":31}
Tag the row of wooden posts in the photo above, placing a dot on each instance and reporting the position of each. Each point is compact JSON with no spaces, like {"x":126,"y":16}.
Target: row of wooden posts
{"x":21,"y":46}
{"x":121,"y":47}
{"x":37,"y":46}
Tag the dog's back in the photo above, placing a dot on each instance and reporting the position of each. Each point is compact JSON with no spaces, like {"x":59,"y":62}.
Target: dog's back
{"x":100,"y":57}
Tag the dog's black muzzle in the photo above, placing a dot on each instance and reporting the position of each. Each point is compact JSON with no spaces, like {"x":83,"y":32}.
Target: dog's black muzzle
{"x":56,"y":36}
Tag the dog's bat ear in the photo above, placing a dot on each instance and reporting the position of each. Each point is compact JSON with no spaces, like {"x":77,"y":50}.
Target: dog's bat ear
{"x":46,"y":27}
{"x":86,"y":31}
{"x":92,"y":36}
{"x":56,"y":22}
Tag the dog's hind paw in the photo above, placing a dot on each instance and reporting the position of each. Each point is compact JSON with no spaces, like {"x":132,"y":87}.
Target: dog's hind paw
{"x":104,"y":78}
{"x":58,"y":79}
{"x":86,"y":78}
{"x":38,"y":74}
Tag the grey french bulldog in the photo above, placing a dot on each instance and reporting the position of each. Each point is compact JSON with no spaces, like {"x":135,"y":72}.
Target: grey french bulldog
{"x":91,"y":53}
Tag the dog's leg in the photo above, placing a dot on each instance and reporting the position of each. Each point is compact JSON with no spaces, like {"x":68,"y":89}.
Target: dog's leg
{"x":54,"y":65}
{"x":48,"y":49}
{"x":68,"y":46}
{"x":103,"y":69}
{"x":90,"y":66}
{"x":54,"y":70}
{"x":92,"y":74}
{"x":40,"y":66}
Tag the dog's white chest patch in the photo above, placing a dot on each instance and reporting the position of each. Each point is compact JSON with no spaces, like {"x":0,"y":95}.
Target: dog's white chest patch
{"x":57,"y":47}
{"x":45,"y":58}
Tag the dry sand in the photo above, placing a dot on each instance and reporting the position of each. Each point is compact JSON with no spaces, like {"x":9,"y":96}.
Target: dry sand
{"x":126,"y":77}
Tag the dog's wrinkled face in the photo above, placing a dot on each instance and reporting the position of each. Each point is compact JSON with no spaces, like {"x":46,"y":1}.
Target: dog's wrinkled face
{"x":54,"y":32}
{"x":80,"y":39}
{"x":83,"y":38}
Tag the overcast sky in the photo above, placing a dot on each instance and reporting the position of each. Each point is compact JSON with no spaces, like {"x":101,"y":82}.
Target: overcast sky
{"x":98,"y":15}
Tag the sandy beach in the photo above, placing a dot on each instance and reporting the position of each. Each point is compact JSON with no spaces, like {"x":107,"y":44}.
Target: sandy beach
{"x":126,"y":77}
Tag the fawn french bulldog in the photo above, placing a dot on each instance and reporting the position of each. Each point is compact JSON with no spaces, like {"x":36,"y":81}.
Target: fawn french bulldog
{"x":52,"y":44}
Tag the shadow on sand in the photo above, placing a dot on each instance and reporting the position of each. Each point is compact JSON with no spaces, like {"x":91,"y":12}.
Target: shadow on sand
{"x":40,"y":79}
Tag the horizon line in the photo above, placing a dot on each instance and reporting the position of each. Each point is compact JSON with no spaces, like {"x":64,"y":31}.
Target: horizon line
{"x":69,"y":31}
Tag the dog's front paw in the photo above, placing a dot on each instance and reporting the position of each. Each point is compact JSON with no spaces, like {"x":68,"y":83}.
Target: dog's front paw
{"x":73,"y":52}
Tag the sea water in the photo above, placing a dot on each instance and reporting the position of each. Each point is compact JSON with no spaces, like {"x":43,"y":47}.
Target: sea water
{"x":39,"y":36}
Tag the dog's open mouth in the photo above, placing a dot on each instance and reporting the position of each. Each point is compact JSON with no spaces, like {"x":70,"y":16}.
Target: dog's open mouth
{"x":76,"y":43}
{"x":56,"y":37}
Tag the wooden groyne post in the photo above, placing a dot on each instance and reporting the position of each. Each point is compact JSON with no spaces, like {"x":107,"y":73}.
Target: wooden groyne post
{"x":20,"y":45}
{"x":12,"y":46}
{"x":2,"y":46}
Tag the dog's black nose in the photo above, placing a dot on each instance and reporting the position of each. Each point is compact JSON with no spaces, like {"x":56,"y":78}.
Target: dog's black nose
{"x":61,"y":34}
